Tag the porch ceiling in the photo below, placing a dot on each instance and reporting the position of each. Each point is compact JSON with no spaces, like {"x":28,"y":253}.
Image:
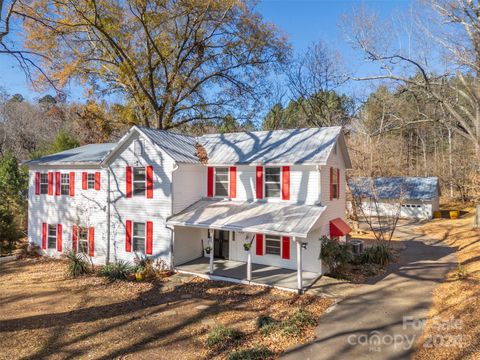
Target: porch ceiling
{"x":253,"y":217}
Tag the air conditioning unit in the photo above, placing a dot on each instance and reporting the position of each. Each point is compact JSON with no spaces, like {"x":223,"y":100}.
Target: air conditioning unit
{"x":357,"y":247}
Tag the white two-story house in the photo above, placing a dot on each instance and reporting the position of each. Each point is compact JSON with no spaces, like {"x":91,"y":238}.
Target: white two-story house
{"x":248,"y":207}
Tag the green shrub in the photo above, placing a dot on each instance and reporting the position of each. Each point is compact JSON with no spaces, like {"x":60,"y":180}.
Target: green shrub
{"x":77,"y":264}
{"x":116,"y":271}
{"x":380,"y":254}
{"x":222,"y":334}
{"x":256,"y":353}
{"x":334,"y":255}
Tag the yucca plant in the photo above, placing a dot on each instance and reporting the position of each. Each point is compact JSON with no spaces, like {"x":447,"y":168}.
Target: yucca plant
{"x":77,"y":264}
{"x":116,"y":271}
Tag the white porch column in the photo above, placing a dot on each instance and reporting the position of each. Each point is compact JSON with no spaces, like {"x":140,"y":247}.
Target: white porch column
{"x":299,"y":265}
{"x":212,"y":244}
{"x":249,"y":265}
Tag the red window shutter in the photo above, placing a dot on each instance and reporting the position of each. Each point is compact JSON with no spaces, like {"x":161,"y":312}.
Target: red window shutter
{"x":72,"y":184}
{"x":331,"y":183}
{"x":128,"y":236}
{"x":259,"y":244}
{"x":91,"y":241}
{"x":210,"y":181}
{"x":285,"y":182}
{"x":97,"y":180}
{"x":149,"y":182}
{"x":57,"y":183}
{"x":128,"y":181}
{"x":74,"y":238}
{"x":233,"y":182}
{"x":285,"y":247}
{"x":44,"y":236}
{"x":338,"y":183}
{"x":59,"y":237}
{"x":37,"y":183}
{"x":259,"y":182}
{"x":50,"y":183}
{"x":84,"y":180}
{"x":149,"y":237}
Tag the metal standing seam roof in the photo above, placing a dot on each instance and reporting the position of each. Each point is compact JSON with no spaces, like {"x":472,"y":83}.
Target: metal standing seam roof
{"x":83,"y":155}
{"x":253,"y":217}
{"x":411,"y":188}
{"x":179,"y":147}
{"x":294,"y":146}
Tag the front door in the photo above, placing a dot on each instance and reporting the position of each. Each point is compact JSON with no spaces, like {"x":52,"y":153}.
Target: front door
{"x":220,"y":241}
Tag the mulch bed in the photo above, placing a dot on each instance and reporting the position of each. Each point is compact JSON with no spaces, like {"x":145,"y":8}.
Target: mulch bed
{"x":44,"y":314}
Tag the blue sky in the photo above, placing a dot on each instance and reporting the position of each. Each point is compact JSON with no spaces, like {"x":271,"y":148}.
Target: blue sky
{"x":304,"y":21}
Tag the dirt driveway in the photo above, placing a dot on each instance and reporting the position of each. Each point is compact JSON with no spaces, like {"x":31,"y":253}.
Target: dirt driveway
{"x":45,"y":315}
{"x":384,"y":318}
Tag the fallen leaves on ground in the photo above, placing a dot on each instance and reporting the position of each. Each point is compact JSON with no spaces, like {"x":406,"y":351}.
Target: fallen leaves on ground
{"x":45,"y":314}
{"x":453,"y":329}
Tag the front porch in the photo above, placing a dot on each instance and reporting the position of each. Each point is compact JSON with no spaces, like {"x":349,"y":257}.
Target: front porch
{"x":263,"y":275}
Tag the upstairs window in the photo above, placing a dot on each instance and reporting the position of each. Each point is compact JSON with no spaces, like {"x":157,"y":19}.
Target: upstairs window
{"x":139,"y":237}
{"x":52,"y":237}
{"x":43,"y":183}
{"x":221,"y":181}
{"x":335,"y":194}
{"x":139,"y":178}
{"x":83,"y":240}
{"x":272,"y":182}
{"x":91,"y":181}
{"x":64,"y":184}
{"x":272,"y":245}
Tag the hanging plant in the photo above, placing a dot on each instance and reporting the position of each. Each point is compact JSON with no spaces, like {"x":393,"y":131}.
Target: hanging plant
{"x":247,"y":246}
{"x":208,"y":250}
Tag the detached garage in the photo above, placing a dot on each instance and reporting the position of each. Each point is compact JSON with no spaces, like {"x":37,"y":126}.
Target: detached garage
{"x":418,"y":197}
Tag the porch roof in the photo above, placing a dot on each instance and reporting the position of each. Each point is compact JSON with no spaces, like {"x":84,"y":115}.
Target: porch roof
{"x":253,"y":217}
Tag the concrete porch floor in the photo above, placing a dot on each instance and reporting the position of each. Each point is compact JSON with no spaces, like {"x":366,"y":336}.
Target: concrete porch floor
{"x":261,"y":274}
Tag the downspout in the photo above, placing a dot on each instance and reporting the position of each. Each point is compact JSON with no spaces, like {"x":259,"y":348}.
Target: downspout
{"x":172,"y":229}
{"x":107,"y":260}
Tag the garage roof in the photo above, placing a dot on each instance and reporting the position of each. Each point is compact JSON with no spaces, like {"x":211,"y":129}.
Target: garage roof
{"x":411,"y":188}
{"x":253,"y":217}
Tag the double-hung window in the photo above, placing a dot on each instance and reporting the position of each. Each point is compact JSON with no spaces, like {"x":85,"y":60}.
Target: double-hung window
{"x":44,"y":183}
{"x":65,"y":184}
{"x":83,"y":240}
{"x":91,"y":181}
{"x":139,"y":179}
{"x":272,"y":182}
{"x":272,"y":245}
{"x":334,"y":183}
{"x":139,"y":237}
{"x":221,"y":181}
{"x":52,"y":237}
